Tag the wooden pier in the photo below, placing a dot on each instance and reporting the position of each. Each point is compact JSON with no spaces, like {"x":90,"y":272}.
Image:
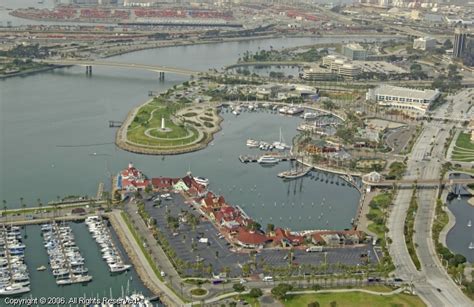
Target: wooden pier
{"x":115,"y":124}
{"x":280,"y":157}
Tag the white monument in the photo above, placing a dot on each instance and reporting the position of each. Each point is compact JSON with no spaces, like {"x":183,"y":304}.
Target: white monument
{"x":162,"y":123}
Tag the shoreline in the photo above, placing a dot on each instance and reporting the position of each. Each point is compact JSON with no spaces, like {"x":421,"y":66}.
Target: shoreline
{"x":49,"y":67}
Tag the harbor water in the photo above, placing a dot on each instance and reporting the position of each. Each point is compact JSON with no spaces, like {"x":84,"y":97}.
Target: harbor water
{"x":55,"y":141}
{"x":103,"y":284}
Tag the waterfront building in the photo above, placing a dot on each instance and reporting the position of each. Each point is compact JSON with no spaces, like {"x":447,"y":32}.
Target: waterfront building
{"x":316,"y":73}
{"x":337,"y":238}
{"x":412,"y":102}
{"x":354,"y":52}
{"x":251,"y":239}
{"x":131,"y":179}
{"x":340,"y":66}
{"x":424,"y":43}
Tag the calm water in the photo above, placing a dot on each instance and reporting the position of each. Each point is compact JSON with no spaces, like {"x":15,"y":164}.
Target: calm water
{"x":460,"y":236}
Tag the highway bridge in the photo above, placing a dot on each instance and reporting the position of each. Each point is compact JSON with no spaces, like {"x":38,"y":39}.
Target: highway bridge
{"x":419,"y":183}
{"x":154,"y":68}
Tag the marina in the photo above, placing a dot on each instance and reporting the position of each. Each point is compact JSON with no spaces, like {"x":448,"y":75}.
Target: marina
{"x":65,"y":259}
{"x":14,"y":276}
{"x":110,"y":253}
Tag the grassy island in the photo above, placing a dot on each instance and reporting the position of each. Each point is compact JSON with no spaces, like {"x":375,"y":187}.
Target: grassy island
{"x":161,"y":126}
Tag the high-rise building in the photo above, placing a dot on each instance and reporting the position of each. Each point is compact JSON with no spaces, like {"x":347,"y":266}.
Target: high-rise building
{"x":424,"y":43}
{"x":459,"y":42}
{"x":354,"y":52}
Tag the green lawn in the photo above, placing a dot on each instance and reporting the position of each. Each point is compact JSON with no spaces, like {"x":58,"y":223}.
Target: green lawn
{"x":149,"y":117}
{"x":464,"y":148}
{"x":354,"y":299}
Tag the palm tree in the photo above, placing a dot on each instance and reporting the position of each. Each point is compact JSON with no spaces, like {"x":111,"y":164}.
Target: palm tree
{"x":5,"y":209}
{"x":40,"y":206}
{"x":23,"y":206}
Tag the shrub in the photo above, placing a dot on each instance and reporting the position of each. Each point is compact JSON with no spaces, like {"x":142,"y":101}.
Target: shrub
{"x":255,"y":292}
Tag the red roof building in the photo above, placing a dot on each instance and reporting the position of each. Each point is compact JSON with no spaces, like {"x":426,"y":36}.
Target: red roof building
{"x":250,"y":239}
{"x":131,"y":179}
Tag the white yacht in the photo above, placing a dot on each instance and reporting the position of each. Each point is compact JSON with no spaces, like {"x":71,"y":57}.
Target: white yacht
{"x":469,"y":224}
{"x":310,"y":115}
{"x":14,"y":289}
{"x":471,"y":245}
{"x":252,"y":143}
{"x":283,"y":110}
{"x":201,"y":180}
{"x":280,"y":145}
{"x":295,"y":110}
{"x":267,"y":160}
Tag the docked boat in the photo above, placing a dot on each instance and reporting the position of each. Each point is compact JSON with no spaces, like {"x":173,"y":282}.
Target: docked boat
{"x":283,"y":110}
{"x":310,"y":115}
{"x":14,"y":289}
{"x":252,"y":143}
{"x":280,"y":144}
{"x":268,"y":160}
{"x":295,"y":173}
{"x":201,"y":180}
{"x":118,"y":268}
{"x":295,"y":110}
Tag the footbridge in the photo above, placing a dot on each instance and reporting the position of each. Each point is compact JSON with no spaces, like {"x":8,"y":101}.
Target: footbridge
{"x":155,"y":68}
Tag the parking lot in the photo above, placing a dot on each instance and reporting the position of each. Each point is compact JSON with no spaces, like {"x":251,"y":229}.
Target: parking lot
{"x":217,"y":252}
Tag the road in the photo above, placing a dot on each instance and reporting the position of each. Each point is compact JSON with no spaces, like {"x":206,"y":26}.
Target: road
{"x":431,"y":283}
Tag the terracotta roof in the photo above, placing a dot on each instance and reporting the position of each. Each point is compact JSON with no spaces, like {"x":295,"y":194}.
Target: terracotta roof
{"x":250,"y":238}
{"x":162,"y":182}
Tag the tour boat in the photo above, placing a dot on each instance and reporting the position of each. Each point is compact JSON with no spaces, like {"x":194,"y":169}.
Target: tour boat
{"x":201,"y":180}
{"x":267,"y":160}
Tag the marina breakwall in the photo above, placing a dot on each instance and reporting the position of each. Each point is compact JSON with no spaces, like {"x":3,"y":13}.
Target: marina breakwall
{"x":139,"y":265}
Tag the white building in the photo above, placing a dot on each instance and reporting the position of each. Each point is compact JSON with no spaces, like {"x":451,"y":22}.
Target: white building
{"x":413,"y":102}
{"x":424,"y":43}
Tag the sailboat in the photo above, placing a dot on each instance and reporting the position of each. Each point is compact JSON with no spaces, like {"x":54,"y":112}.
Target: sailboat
{"x":471,"y":245}
{"x":280,"y":145}
{"x":469,"y":224}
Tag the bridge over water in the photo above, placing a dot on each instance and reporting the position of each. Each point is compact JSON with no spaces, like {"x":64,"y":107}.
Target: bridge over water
{"x":155,"y":68}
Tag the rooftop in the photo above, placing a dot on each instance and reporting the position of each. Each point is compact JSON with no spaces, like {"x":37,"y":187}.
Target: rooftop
{"x":355,"y":46}
{"x":405,"y":91}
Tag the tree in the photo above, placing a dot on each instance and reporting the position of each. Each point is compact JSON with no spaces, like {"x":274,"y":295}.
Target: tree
{"x":280,"y":291}
{"x":4,"y":207}
{"x":255,"y":292}
{"x":40,"y":206}
{"x":238,"y":288}
{"x":148,"y":188}
{"x":313,"y":304}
